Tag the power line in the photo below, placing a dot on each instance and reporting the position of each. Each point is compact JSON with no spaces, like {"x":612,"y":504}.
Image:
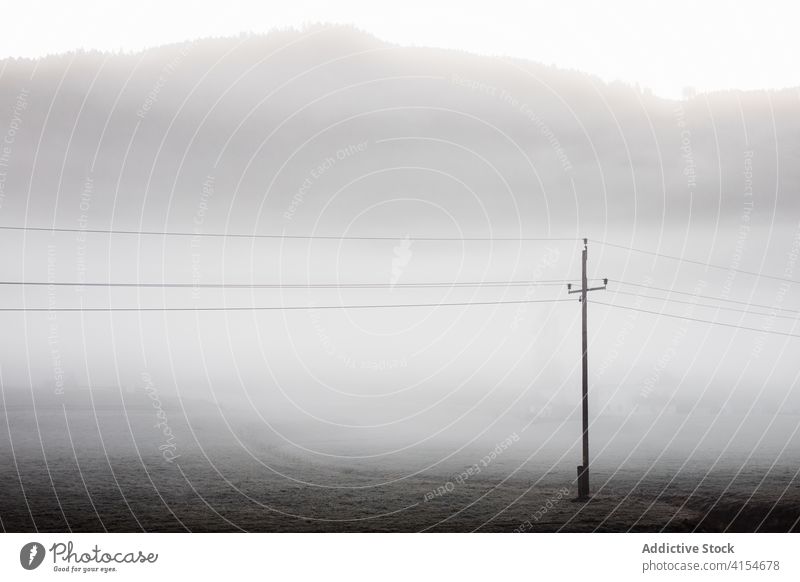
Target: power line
{"x":282,"y":308}
{"x":443,"y":284}
{"x":696,"y":262}
{"x":699,"y":320}
{"x":282,"y":236}
{"x":705,"y":305}
{"x":713,"y":298}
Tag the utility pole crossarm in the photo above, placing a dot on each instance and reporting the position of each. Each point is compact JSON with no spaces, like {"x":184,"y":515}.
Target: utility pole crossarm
{"x":601,"y":288}
{"x":583,"y":469}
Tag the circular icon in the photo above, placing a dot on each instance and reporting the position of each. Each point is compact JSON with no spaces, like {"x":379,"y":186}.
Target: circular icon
{"x":31,"y":555}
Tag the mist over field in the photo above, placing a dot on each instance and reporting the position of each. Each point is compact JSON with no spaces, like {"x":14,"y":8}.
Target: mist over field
{"x":463,"y":168}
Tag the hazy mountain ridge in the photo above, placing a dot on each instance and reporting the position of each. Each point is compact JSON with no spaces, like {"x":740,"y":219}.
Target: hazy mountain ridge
{"x":265,"y":96}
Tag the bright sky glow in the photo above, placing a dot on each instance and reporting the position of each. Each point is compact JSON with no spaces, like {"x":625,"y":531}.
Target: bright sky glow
{"x":664,"y":46}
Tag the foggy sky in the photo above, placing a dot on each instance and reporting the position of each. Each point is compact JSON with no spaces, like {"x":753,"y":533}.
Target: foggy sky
{"x":331,"y":132}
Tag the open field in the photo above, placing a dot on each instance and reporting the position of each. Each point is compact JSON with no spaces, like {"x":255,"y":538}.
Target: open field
{"x":75,"y":480}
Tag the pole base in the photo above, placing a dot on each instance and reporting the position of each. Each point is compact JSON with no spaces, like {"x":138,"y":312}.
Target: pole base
{"x":583,"y":482}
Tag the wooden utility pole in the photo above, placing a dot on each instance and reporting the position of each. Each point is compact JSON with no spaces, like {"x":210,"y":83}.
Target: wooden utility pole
{"x":583,"y":470}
